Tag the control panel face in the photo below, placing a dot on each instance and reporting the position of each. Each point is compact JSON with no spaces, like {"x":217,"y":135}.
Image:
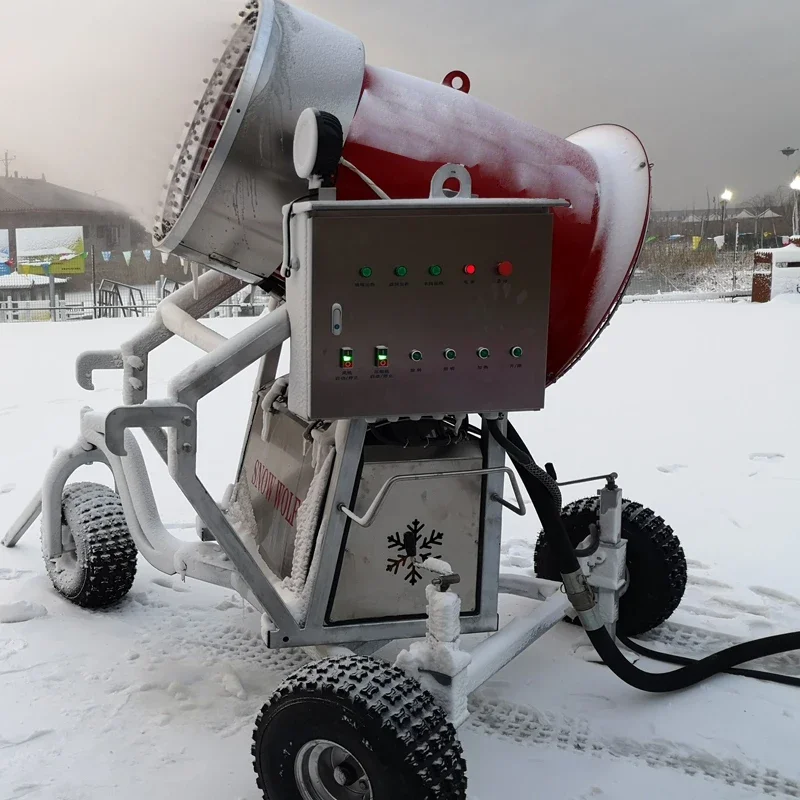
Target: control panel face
{"x":415,"y":311}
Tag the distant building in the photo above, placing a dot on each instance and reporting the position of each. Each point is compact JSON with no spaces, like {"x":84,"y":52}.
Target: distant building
{"x":35,"y":203}
{"x":19,"y":288}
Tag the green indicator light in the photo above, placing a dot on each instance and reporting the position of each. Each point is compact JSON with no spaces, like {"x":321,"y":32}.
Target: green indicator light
{"x":416,"y":355}
{"x":365,"y":272}
{"x":346,"y":357}
{"x":381,"y":356}
{"x":401,"y":272}
{"x":435,"y":270}
{"x":483,"y":352}
{"x":516,"y":352}
{"x":450,"y":354}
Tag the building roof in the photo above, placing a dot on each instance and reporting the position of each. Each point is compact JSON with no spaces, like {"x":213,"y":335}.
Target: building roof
{"x":782,"y":254}
{"x":26,"y":255}
{"x":17,"y":281}
{"x":20,"y":195}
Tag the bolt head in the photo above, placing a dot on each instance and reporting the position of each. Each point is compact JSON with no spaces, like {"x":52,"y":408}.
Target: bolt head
{"x":186,"y":447}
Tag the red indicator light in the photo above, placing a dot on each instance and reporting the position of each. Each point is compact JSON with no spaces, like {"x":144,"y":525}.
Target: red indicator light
{"x":505,"y":269}
{"x":470,"y":269}
{"x":347,"y":365}
{"x":383,"y":363}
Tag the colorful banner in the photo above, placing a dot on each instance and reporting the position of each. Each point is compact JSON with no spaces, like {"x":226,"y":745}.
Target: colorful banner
{"x":696,"y":242}
{"x":126,"y":254}
{"x":147,"y":254}
{"x":164,"y":257}
{"x":5,"y":269}
{"x":106,"y":256}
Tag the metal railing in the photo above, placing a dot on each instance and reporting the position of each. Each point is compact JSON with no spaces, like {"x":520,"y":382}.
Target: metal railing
{"x":118,"y":301}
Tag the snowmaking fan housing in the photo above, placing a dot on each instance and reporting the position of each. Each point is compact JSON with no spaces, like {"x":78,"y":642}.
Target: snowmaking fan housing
{"x":221,"y":204}
{"x":235,"y":171}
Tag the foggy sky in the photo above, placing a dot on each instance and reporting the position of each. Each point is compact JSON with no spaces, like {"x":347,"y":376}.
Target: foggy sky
{"x":95,"y":93}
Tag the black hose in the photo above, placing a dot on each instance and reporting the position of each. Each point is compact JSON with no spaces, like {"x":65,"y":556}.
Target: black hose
{"x":544,"y":493}
{"x":538,"y":483}
{"x":585,"y":552}
{"x":672,"y":658}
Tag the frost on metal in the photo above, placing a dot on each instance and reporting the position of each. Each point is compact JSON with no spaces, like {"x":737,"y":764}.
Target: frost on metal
{"x":274,"y":400}
{"x":206,"y":124}
{"x":308,"y":519}
{"x":308,"y":523}
{"x":240,"y":511}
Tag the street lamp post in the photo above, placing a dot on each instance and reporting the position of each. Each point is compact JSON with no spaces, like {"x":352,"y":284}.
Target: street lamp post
{"x":795,"y":187}
{"x":724,"y":199}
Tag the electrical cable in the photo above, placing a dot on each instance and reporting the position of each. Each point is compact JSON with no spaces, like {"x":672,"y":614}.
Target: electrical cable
{"x":539,"y":486}
{"x":287,"y":228}
{"x":372,"y":185}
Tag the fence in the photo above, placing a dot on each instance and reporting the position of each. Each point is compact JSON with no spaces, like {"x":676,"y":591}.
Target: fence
{"x":666,"y":270}
{"x":115,"y":300}
{"x":662,"y":274}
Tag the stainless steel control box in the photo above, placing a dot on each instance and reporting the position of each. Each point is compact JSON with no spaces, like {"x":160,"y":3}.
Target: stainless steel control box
{"x":419,"y":307}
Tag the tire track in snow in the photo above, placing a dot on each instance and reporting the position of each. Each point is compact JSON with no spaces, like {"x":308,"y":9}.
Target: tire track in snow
{"x":199,"y":634}
{"x":527,"y":726}
{"x":696,"y":642}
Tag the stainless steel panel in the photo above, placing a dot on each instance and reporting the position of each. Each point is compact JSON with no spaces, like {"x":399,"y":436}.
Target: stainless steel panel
{"x":378,"y":577}
{"x":420,"y":311}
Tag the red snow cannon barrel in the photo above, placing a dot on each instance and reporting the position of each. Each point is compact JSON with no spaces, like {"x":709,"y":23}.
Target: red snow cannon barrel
{"x":234,"y":172}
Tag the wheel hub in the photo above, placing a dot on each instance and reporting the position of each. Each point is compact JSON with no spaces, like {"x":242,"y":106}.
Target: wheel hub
{"x":324,"y":770}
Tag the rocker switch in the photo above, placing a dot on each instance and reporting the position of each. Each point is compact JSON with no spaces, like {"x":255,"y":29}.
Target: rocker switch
{"x":336,"y":319}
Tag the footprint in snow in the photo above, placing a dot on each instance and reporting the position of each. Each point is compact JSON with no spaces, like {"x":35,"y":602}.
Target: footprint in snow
{"x":8,"y":574}
{"x":706,"y":612}
{"x":702,"y":580}
{"x":9,"y":647}
{"x":745,"y":608}
{"x":670,"y":468}
{"x":21,"y":611}
{"x":766,"y":456}
{"x":775,"y":594}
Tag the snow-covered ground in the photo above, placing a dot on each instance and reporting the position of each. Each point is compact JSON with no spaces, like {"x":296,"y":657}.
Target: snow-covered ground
{"x":696,"y":406}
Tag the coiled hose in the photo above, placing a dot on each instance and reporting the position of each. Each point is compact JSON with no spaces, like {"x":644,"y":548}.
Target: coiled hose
{"x":546,"y":498}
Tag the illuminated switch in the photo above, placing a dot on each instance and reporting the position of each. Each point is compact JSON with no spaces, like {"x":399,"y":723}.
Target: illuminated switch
{"x":483,"y":353}
{"x":450,"y":354}
{"x":505,"y":269}
{"x":381,"y":356}
{"x":346,"y":358}
{"x":516,"y":352}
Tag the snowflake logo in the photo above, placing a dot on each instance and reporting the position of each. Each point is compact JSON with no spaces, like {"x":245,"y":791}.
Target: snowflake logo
{"x":412,"y":548}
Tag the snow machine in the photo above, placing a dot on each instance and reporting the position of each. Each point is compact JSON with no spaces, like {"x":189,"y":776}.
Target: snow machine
{"x":433,"y":265}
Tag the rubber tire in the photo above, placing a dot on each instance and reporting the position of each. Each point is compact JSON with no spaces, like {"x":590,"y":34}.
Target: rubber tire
{"x":381,"y":715}
{"x":104,"y":564}
{"x":655,"y":559}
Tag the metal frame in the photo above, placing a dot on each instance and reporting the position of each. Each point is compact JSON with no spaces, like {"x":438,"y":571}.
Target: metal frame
{"x":171,"y":426}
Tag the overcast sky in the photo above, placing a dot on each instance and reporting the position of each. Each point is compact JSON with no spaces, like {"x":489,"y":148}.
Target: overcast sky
{"x":95,"y":93}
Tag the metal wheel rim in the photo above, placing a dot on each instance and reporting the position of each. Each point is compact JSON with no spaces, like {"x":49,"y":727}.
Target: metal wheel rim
{"x":324,"y":770}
